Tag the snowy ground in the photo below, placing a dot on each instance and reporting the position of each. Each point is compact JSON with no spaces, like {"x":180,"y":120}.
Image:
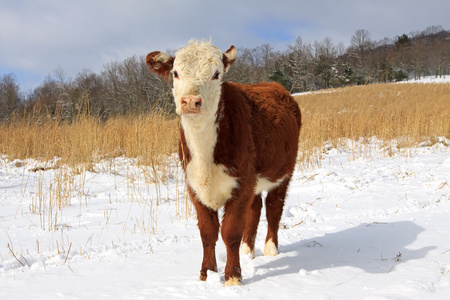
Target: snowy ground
{"x":365,"y":227}
{"x":429,"y":79}
{"x":424,"y":80}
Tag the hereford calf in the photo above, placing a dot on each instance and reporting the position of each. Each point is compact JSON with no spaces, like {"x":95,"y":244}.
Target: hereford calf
{"x":236,"y":141}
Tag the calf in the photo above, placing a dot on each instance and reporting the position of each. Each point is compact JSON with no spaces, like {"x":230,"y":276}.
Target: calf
{"x":236,"y":141}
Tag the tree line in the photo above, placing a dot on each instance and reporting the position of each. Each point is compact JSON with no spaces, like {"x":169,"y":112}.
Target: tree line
{"x":128,"y":87}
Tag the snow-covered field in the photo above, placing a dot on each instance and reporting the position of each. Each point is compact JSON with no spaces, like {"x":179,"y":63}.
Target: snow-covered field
{"x":369,"y":226}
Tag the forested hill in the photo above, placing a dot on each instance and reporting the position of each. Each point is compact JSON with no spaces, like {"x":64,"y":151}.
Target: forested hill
{"x":128,"y":87}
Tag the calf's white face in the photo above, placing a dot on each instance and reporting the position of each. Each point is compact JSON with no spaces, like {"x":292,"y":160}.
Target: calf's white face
{"x":197,"y":70}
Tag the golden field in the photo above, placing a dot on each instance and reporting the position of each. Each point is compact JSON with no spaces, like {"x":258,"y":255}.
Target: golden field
{"x":408,"y":113}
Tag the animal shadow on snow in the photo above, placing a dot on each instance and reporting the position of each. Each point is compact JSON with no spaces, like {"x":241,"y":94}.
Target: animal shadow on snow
{"x":374,"y":248}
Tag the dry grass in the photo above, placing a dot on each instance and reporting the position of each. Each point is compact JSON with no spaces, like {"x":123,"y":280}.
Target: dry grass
{"x":408,"y":113}
{"x":88,"y":139}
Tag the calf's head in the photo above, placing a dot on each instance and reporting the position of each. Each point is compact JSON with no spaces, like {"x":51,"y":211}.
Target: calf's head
{"x":197,"y":70}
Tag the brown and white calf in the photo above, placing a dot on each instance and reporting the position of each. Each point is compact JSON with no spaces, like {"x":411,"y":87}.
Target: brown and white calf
{"x":236,"y":141}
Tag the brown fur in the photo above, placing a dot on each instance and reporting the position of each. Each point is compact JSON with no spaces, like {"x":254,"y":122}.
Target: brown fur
{"x":226,"y":62}
{"x":162,"y":69}
{"x":258,"y":135}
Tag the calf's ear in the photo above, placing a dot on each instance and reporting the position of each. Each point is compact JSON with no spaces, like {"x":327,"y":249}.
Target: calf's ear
{"x":160,"y":63}
{"x":229,"y":57}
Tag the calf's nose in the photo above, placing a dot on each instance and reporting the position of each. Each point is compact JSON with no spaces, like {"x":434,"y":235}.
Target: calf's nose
{"x":190,"y":103}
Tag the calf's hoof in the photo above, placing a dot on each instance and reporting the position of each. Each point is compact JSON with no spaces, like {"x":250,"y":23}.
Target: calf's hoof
{"x":270,"y":249}
{"x":233,"y":281}
{"x":245,"y":249}
{"x":203,"y":276}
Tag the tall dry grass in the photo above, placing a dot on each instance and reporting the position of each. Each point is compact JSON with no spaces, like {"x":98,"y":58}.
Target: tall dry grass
{"x":408,"y":113}
{"x":88,"y":139}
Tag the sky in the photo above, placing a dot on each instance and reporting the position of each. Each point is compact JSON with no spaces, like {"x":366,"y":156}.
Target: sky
{"x":38,"y":37}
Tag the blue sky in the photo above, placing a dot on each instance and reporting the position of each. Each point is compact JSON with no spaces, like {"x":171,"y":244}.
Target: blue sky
{"x":39,"y":36}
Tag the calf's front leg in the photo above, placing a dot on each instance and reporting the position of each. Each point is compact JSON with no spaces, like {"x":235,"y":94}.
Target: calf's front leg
{"x":232,"y":230}
{"x":208,"y":224}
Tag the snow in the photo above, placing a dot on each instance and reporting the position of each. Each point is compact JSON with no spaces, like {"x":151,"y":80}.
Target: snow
{"x":423,"y":80}
{"x":429,"y":79}
{"x":362,"y":225}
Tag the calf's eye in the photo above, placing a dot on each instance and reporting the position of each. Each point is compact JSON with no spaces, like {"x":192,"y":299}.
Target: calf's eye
{"x":175,"y":74}
{"x":216,"y":76}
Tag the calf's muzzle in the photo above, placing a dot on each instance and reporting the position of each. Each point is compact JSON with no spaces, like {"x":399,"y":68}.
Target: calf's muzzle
{"x":191,"y":104}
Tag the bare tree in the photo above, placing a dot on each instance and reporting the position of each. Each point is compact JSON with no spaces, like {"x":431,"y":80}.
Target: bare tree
{"x":9,"y":96}
{"x":418,"y":54}
{"x":325,"y":62}
{"x":361,"y":41}
{"x":360,"y":53}
{"x":298,"y":64}
{"x":88,"y":90}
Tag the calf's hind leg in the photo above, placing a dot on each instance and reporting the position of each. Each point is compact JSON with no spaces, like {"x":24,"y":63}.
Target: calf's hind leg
{"x":251,"y":226}
{"x":274,"y":209}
